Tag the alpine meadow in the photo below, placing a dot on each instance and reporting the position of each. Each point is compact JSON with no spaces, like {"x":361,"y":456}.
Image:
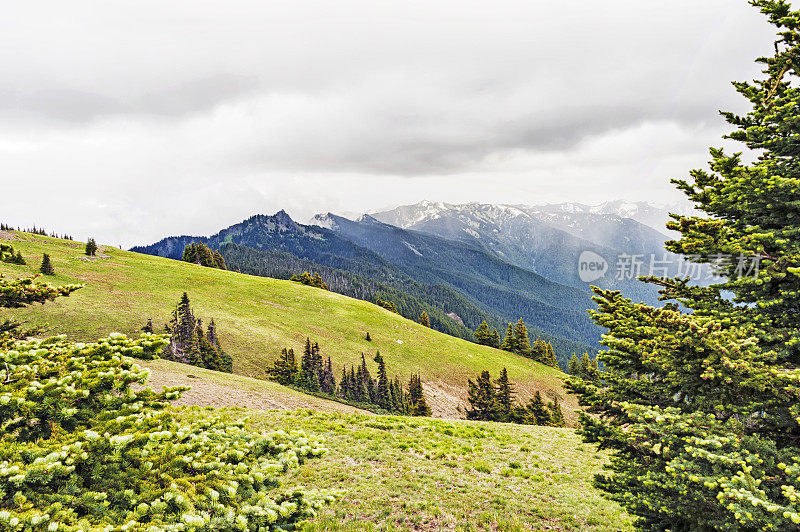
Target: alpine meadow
{"x":503,"y":301}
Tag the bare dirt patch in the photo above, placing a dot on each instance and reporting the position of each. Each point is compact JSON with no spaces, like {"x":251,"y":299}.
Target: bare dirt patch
{"x":5,"y":235}
{"x":209,"y":388}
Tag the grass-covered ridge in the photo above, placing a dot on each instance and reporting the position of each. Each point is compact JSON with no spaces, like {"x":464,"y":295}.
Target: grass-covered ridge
{"x":402,"y":473}
{"x":258,"y":316}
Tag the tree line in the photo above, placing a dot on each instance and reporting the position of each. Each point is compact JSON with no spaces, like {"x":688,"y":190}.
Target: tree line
{"x":314,"y":374}
{"x":199,"y":253}
{"x":516,"y":341}
{"x":34,"y":230}
{"x":496,"y":401}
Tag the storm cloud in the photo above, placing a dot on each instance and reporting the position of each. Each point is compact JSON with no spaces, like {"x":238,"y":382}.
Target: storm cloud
{"x":114,"y":113}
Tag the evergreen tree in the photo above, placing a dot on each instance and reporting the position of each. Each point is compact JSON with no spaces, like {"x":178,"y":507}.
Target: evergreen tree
{"x":522,"y":345}
{"x":219,"y":260}
{"x":388,"y":305}
{"x":424,"y":319}
{"x":80,"y":468}
{"x":345,"y":389}
{"x":310,"y":280}
{"x":556,"y":415}
{"x":699,"y":407}
{"x":46,"y":267}
{"x":91,"y":247}
{"x":328,"y":382}
{"x":494,"y":339}
{"x":199,"y":253}
{"x":189,"y":343}
{"x":574,"y":366}
{"x":418,"y":406}
{"x":21,"y":292}
{"x":148,"y":327}
{"x":284,"y":370}
{"x":209,"y":356}
{"x":183,"y":341}
{"x":509,"y":342}
{"x":505,"y":397}
{"x":549,"y":356}
{"x":382,"y":392}
{"x":367,"y":338}
{"x":482,"y":334}
{"x":309,"y":374}
{"x":7,"y":254}
{"x":482,"y":399}
{"x":393,"y":404}
{"x":358,"y":390}
{"x":538,"y":411}
{"x":319,"y":363}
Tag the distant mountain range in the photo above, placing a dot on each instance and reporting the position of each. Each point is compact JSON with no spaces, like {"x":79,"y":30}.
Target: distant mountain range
{"x":461,"y":264}
{"x":550,"y":239}
{"x":651,"y":215}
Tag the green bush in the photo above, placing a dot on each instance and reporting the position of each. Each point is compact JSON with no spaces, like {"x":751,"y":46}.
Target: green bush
{"x":81,"y":450}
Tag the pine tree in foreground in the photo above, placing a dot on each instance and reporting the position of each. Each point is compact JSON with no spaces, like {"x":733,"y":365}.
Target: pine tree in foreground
{"x":699,"y":408}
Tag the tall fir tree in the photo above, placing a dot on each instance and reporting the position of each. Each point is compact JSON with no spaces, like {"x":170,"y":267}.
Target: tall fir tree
{"x":384,"y":400}
{"x":505,"y":397}
{"x":556,"y":414}
{"x":699,"y":407}
{"x":538,"y":411}
{"x":522,"y":345}
{"x":482,"y":334}
{"x":509,"y":342}
{"x":418,"y":405}
{"x":494,"y":339}
{"x":327,"y":383}
{"x":482,"y":399}
{"x":284,"y":370}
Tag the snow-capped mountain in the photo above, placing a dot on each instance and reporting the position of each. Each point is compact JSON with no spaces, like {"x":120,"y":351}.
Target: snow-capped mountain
{"x":569,"y":214}
{"x":650,"y":214}
{"x":548,"y":239}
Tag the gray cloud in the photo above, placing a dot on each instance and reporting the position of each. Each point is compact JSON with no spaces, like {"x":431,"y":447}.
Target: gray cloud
{"x":124,"y":107}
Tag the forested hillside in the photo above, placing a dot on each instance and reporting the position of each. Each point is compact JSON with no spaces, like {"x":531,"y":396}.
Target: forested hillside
{"x":453,"y":277}
{"x":257,"y":317}
{"x":502,"y":288}
{"x":409,"y":297}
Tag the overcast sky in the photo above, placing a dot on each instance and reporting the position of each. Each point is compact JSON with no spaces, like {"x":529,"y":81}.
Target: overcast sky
{"x":131,"y":121}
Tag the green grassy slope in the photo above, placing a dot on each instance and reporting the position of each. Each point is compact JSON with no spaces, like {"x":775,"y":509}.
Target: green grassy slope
{"x":258,"y":316}
{"x":401,"y":473}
